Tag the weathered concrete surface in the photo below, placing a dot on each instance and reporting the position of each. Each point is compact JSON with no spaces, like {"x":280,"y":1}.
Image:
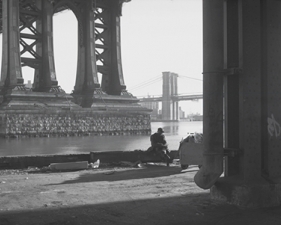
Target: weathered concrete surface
{"x":260,"y":193}
{"x":45,"y":122}
{"x":153,"y":194}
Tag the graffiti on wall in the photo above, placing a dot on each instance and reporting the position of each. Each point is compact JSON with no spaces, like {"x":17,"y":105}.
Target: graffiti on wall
{"x":273,"y":126}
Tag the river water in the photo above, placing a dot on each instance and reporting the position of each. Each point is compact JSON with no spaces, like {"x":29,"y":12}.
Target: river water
{"x":174,"y":132}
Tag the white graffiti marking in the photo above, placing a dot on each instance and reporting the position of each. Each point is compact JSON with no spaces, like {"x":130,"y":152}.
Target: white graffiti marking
{"x":273,"y":126}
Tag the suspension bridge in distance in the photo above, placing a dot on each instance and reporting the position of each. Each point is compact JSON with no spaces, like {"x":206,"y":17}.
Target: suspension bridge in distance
{"x":180,"y":97}
{"x":170,"y":97}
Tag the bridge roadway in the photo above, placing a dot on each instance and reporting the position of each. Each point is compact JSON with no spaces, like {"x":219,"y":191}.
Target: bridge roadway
{"x":175,"y":98}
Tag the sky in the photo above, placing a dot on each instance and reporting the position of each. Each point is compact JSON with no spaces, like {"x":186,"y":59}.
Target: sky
{"x":156,"y":36}
{"x":163,"y":35}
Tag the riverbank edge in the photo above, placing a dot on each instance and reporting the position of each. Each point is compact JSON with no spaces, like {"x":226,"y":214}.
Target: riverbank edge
{"x":109,"y":157}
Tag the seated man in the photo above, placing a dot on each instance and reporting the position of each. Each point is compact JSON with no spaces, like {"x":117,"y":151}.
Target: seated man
{"x":159,"y":145}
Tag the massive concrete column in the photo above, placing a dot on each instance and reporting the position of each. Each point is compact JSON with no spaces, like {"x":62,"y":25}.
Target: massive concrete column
{"x":45,"y":74}
{"x":11,"y":74}
{"x":251,"y":90}
{"x":87,"y":78}
{"x":99,"y":52}
{"x":252,"y":52}
{"x":27,"y":41}
{"x":114,"y":83}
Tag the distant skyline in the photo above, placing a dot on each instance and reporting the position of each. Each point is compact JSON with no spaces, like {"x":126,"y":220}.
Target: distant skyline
{"x":156,"y":36}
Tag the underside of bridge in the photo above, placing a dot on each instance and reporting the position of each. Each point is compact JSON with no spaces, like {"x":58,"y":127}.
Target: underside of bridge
{"x":27,"y":30}
{"x":27,"y":27}
{"x":241,"y":100}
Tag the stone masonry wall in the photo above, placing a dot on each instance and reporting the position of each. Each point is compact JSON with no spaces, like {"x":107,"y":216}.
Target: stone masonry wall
{"x":44,"y":124}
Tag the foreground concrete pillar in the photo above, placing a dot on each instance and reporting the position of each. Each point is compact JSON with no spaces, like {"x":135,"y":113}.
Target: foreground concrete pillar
{"x":252,"y":52}
{"x":251,"y":89}
{"x":212,"y":94}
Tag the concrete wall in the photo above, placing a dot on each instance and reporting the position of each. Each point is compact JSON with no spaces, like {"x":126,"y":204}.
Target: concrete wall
{"x":22,"y":162}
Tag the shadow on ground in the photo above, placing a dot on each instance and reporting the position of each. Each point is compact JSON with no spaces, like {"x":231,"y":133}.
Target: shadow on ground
{"x":190,"y":209}
{"x":111,"y":175}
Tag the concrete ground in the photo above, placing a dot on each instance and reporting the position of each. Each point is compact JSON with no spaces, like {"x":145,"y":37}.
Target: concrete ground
{"x":151,"y":194}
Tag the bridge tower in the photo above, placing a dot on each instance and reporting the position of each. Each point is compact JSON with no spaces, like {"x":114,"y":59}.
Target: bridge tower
{"x":27,"y":28}
{"x":170,"y":108}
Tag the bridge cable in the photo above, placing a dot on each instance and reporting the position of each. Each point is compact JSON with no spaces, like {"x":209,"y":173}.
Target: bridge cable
{"x":146,"y":83}
{"x":192,"y":78}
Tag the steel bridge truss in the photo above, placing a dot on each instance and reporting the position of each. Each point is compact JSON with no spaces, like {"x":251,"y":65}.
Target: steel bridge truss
{"x":27,"y":29}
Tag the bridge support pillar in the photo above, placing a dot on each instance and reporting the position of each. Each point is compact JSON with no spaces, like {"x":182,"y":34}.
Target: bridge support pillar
{"x":169,"y":106}
{"x":87,"y":75}
{"x":27,"y":28}
{"x":45,"y":74}
{"x":11,"y":74}
{"x":113,"y":81}
{"x":27,"y":44}
{"x":250,"y":46}
{"x":28,"y":41}
{"x":99,"y":52}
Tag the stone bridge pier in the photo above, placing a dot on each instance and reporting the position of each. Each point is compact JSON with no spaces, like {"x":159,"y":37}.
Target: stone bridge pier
{"x":27,"y":29}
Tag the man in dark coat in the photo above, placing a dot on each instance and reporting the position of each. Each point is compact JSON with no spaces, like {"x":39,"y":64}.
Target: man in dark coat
{"x":159,"y":145}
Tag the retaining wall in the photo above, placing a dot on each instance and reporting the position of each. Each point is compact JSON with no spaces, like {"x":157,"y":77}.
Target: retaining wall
{"x":21,"y":162}
{"x":17,"y":123}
